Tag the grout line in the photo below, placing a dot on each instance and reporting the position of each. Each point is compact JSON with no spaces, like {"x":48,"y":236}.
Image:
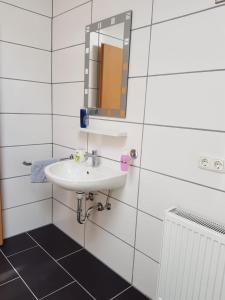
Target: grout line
{"x":62,"y":13}
{"x":121,"y":292}
{"x":148,"y":256}
{"x":49,"y":255}
{"x":67,"y":206}
{"x":59,"y":265}
{"x":141,"y":27}
{"x":67,"y":47}
{"x":69,"y":116}
{"x":5,"y":209}
{"x":19,"y":176}
{"x":150,"y":215}
{"x":65,"y":82}
{"x":52,"y":100}
{"x":9,"y":281}
{"x":24,"y":45}
{"x":22,"y":8}
{"x":52,"y":293}
{"x":183,"y":127}
{"x":70,"y":254}
{"x":24,"y":113}
{"x":92,"y":11}
{"x":142,"y":138}
{"x":188,"y":14}
{"x":186,"y":72}
{"x":19,"y":275}
{"x":86,"y":290}
{"x":25,"y":145}
{"x":30,"y":248}
{"x":24,"y":80}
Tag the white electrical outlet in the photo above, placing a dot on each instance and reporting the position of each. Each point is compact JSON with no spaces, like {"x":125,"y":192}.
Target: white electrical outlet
{"x":212,"y":164}
{"x":204,"y":162}
{"x":218,"y":165}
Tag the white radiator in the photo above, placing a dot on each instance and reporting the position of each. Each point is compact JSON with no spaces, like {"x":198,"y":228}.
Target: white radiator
{"x":193,"y":258}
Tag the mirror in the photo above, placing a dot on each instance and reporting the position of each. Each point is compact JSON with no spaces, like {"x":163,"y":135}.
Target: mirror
{"x":107,"y":49}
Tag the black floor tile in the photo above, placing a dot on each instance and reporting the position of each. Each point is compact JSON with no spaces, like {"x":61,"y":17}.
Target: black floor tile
{"x":130,"y":294}
{"x":39,"y":271}
{"x":6,"y":271}
{"x":17,"y":243}
{"x":96,"y":277}
{"x":71,"y":292}
{"x":15,"y":290}
{"x":54,"y":241}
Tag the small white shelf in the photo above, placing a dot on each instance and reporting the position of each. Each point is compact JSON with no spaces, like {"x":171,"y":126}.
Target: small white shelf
{"x":114,"y":133}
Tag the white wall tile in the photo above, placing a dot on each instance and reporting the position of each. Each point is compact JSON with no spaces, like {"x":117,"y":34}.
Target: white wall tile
{"x":192,"y":43}
{"x":141,"y":12}
{"x":139,"y":51}
{"x":25,"y":97}
{"x":41,"y":6}
{"x":176,"y":152}
{"x":64,"y":34}
{"x":187,"y":100}
{"x":60,"y":6}
{"x":65,"y":219}
{"x":128,"y":193}
{"x":66,"y":132}
{"x":69,"y":198}
{"x":27,"y":217}
{"x":110,"y":147}
{"x":149,"y":235}
{"x":68,"y":98}
{"x":25,"y":129}
{"x":145,"y":275}
{"x":136,"y":99}
{"x":12,"y":158}
{"x":120,"y":220}
{"x":112,"y":251}
{"x":19,"y":191}
{"x":159,"y":192}
{"x":68,"y":64}
{"x":164,"y":10}
{"x":24,"y":63}
{"x":22,"y":27}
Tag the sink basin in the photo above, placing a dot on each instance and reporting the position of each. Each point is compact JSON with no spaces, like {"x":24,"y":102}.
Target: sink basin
{"x":82,"y":177}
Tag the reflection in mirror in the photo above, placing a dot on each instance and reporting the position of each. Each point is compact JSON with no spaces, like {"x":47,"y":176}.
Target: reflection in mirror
{"x":106,"y":65}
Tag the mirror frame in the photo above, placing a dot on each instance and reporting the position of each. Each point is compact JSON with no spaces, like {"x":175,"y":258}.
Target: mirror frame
{"x":125,"y":18}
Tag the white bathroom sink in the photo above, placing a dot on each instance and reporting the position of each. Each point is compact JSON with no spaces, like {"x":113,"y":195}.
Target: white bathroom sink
{"x":82,"y":177}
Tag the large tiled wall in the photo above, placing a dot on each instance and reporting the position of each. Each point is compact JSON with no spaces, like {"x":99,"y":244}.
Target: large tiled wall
{"x":25,"y":111}
{"x":175,"y":114}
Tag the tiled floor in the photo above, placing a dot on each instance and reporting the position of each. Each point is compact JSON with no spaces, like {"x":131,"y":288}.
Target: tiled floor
{"x":47,"y":264}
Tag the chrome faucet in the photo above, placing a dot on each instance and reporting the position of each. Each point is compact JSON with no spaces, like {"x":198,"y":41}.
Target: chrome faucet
{"x":94,"y":156}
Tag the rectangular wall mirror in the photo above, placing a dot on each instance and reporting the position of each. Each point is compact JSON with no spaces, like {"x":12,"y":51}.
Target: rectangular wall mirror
{"x":107,"y":50}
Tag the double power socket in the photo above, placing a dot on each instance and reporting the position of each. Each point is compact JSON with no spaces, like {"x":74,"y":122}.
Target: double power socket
{"x":212,"y":164}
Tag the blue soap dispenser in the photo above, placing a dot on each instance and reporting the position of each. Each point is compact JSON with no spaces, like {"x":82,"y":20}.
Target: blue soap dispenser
{"x":84,"y":118}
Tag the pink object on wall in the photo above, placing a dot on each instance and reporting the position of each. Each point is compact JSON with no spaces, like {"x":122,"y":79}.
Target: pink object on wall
{"x":125,"y":162}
